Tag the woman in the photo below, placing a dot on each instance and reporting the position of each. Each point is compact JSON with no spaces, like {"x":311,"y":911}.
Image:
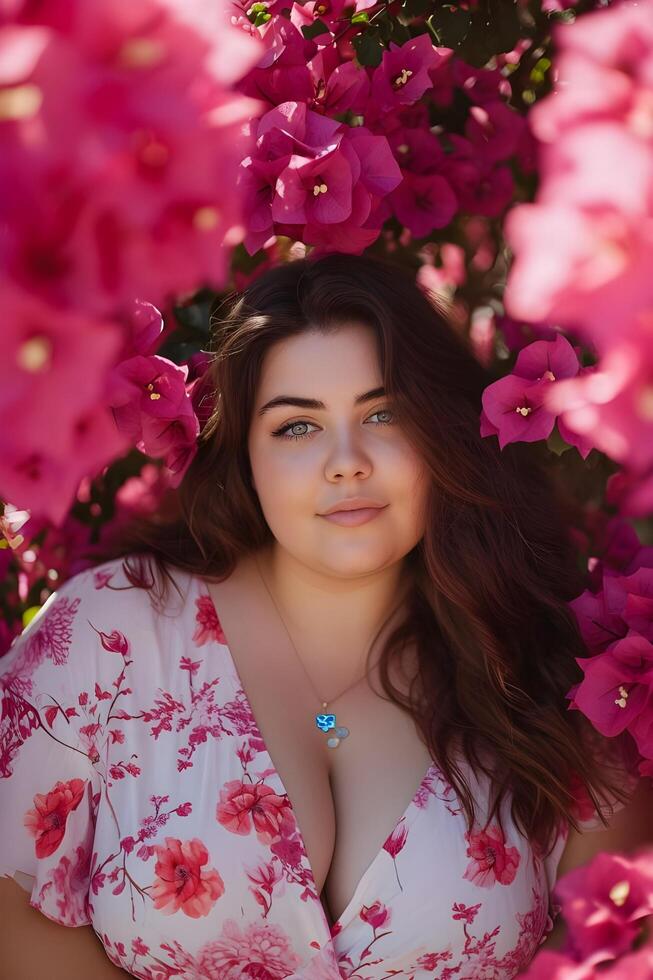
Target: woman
{"x":343,"y":747}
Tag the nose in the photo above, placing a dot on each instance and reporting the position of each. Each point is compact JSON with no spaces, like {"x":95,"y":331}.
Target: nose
{"x":347,"y":458}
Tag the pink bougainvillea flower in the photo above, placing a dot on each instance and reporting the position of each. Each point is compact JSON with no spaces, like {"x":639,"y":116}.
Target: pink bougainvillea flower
{"x":146,"y":325}
{"x":403,"y":75}
{"x":548,"y":360}
{"x":182,"y":882}
{"x":143,"y":387}
{"x":151,"y":405}
{"x":630,"y":597}
{"x":604,"y":901}
{"x":611,"y":404}
{"x":617,"y":685}
{"x":121,"y":197}
{"x":46,"y":484}
{"x":591,"y":277}
{"x":481,"y":187}
{"x":514,"y":408}
{"x":339,"y":86}
{"x":316,"y":190}
{"x":330,"y":183}
{"x":492,"y":861}
{"x":280,"y":73}
{"x":597,"y":625}
{"x":173,"y":440}
{"x":495,"y":130}
{"x":592,"y":81}
{"x":424,"y":202}
{"x":630,"y":493}
{"x":47,"y":821}
{"x":518,"y":333}
{"x":42,"y":388}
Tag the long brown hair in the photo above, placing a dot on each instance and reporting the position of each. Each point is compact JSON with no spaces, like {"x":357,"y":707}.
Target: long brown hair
{"x":493,"y":574}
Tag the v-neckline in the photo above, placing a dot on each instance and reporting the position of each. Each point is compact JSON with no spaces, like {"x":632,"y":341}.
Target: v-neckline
{"x":339,"y":923}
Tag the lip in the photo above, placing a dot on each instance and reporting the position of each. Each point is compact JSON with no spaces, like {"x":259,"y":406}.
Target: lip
{"x":352,"y":503}
{"x":352,"y":518}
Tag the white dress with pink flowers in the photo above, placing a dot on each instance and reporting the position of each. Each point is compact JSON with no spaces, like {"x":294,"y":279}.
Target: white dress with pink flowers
{"x":137,"y":796}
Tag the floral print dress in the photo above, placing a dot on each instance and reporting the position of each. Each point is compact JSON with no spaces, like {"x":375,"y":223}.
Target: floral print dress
{"x":138,"y":796}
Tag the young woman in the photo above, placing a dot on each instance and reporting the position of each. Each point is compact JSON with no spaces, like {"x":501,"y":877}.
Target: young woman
{"x":340,"y":745}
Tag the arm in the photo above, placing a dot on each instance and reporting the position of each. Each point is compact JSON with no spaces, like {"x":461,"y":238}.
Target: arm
{"x":630,"y":829}
{"x":34,"y":946}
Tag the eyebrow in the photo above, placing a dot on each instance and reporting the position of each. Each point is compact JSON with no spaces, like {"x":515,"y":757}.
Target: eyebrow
{"x":300,"y":402}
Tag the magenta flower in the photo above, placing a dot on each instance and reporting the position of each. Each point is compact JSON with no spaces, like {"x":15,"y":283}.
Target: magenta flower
{"x":423,"y":200}
{"x":423,"y":203}
{"x":514,"y":405}
{"x":42,"y":388}
{"x":618,"y":684}
{"x":480,"y":186}
{"x":316,"y":180}
{"x":46,"y":483}
{"x":122,"y":142}
{"x":338,"y":86}
{"x":598,"y":625}
{"x":281,"y":73}
{"x":496,"y":130}
{"x":151,"y":405}
{"x":609,"y":404}
{"x":403,"y":75}
{"x":604,"y":902}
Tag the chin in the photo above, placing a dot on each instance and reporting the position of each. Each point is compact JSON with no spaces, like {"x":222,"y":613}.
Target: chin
{"x":347,"y":565}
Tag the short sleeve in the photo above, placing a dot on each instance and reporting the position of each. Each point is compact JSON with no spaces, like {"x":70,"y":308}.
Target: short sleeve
{"x":49,"y":787}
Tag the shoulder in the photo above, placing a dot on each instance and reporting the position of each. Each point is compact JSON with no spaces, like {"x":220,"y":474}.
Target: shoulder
{"x":99,"y":609}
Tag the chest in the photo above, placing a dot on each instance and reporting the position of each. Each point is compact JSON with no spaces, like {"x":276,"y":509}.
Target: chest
{"x":346,"y":800}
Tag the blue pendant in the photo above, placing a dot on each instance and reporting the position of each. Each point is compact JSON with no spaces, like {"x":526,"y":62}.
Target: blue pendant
{"x":326,"y":723}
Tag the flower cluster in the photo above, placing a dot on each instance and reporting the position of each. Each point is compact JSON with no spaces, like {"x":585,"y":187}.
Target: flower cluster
{"x":333,"y":184}
{"x":584,"y":247}
{"x":605,"y":904}
{"x":616,"y":622}
{"x":121,"y":140}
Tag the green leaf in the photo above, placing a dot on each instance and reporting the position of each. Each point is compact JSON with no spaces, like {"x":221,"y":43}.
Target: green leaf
{"x":369,"y":48}
{"x":312,"y":30}
{"x":361,"y":18}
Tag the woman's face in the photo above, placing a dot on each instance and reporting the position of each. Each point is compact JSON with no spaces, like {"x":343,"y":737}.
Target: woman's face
{"x":343,"y":450}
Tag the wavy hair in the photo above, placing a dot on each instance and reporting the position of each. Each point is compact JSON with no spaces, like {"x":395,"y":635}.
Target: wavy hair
{"x":493,"y":574}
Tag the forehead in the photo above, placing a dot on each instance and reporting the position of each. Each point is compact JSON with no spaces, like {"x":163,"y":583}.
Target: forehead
{"x":342,"y":359}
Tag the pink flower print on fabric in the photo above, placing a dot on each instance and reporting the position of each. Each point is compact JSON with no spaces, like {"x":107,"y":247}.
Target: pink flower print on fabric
{"x":376,"y":915}
{"x":208,"y":624}
{"x":183,"y":883}
{"x":69,"y":881}
{"x":263,"y":951}
{"x":322,"y":966}
{"x":246,"y":805}
{"x":47,"y":821}
{"x":492,"y":862}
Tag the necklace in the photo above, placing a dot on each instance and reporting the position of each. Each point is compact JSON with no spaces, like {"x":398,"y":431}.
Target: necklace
{"x":325,"y":722}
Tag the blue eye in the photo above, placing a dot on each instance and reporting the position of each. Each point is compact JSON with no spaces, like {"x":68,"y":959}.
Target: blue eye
{"x":285,"y":433}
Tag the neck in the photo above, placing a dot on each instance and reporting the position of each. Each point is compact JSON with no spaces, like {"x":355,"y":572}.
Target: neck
{"x":333,"y":620}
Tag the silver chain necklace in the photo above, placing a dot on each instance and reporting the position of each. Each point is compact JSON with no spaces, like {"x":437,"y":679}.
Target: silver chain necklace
{"x":325,"y":722}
